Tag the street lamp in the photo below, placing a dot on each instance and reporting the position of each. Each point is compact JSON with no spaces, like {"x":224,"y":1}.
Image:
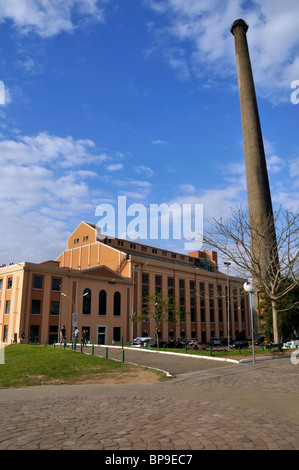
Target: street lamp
{"x":74,"y":306}
{"x":227,"y":264}
{"x":248,"y":287}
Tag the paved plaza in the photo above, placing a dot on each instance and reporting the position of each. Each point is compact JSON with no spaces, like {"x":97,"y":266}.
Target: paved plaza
{"x":207,"y":405}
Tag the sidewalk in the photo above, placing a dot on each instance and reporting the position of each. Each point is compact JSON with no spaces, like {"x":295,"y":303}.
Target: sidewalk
{"x":218,"y":406}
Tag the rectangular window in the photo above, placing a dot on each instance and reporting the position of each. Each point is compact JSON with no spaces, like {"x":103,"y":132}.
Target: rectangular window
{"x":211,"y":301}
{"x":36,"y":307}
{"x":116,"y":333}
{"x":171,"y":299}
{"x":202,"y":303}
{"x":5,"y":336}
{"x":242,"y":306}
{"x":1,"y":283}
{"x":56,"y":284}
{"x":220,"y":304}
{"x":9,"y":283}
{"x":7,"y":307}
{"x":54,"y":308}
{"x":182,"y":300}
{"x":192,"y":302}
{"x":37,"y":282}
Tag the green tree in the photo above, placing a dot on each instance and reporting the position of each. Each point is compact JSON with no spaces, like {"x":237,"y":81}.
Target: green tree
{"x":288,"y":314}
{"x":160,"y":309}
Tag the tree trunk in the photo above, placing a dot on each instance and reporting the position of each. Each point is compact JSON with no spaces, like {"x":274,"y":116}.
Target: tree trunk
{"x":275,"y":321}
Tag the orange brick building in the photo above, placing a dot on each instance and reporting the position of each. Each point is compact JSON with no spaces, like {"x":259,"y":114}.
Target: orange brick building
{"x":105,"y":280}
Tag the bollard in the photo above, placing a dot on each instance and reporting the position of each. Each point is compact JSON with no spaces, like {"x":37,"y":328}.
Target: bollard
{"x":64,"y":344}
{"x":239,"y":350}
{"x":92,"y":349}
{"x":106,"y":353}
{"x":81,"y":347}
{"x":123,"y":355}
{"x":211,"y":354}
{"x":53,"y":344}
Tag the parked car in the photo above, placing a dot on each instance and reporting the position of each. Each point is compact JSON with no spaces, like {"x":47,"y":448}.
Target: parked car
{"x":170,"y":344}
{"x":291,"y":344}
{"x":240,"y":344}
{"x":215,"y":341}
{"x":142,"y":341}
{"x":193,"y":342}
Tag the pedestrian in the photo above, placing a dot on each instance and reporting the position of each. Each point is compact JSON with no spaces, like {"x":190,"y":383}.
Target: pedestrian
{"x":62,"y":334}
{"x":76,"y":334}
{"x":84,"y":337}
{"x":22,"y":337}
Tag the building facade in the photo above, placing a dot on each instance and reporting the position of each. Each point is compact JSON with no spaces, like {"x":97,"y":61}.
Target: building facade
{"x":105,"y":281}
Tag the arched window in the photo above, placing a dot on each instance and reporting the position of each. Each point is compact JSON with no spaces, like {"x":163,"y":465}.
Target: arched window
{"x":102,"y":302}
{"x":86,"y":302}
{"x":116,"y":304}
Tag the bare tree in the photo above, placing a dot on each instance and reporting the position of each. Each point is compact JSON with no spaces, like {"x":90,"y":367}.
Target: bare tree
{"x":268,"y":268}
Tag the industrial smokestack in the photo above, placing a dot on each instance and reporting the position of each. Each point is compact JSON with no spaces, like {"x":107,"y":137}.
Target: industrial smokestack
{"x":258,"y":189}
{"x":262,"y":230}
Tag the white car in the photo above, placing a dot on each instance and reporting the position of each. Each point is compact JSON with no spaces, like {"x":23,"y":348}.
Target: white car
{"x":193,"y":342}
{"x":142,"y":341}
{"x":291,"y":344}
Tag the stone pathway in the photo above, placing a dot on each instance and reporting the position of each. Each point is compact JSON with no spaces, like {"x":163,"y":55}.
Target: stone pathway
{"x":220,"y":406}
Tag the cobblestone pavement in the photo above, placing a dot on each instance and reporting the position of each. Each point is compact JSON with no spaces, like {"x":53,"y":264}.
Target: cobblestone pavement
{"x":218,"y":406}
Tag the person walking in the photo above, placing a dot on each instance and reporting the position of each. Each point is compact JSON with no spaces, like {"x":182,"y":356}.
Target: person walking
{"x":62,"y":334}
{"x":76,"y":335}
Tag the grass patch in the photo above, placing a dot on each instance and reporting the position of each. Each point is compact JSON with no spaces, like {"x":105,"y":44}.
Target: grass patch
{"x":244,"y":352}
{"x":27,"y":365}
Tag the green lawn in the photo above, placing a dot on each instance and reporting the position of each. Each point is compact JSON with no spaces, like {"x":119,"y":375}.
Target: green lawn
{"x":38,"y":365}
{"x":236,"y":353}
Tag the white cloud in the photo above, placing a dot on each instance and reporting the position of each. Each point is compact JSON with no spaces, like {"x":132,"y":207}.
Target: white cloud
{"x":144,"y":169}
{"x":53,"y":150}
{"x":160,"y":142}
{"x":45,"y":184}
{"x":273,"y":38}
{"x":49,"y":17}
{"x":115,"y":167}
{"x":275,"y":164}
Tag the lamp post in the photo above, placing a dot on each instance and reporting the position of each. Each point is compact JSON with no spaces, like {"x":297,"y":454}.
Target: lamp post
{"x":248,"y":287}
{"x":227,"y":264}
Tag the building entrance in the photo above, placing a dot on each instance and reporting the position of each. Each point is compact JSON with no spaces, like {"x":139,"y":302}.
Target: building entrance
{"x":102,"y":334}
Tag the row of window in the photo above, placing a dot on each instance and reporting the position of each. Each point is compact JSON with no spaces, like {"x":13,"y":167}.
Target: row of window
{"x":85,"y":239}
{"x":200,"y":262}
{"x":38,"y":283}
{"x":86,"y":309}
{"x":202,"y":305}
{"x":9,"y":283}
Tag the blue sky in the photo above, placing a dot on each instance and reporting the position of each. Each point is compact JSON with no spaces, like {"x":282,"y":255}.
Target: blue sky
{"x":136,"y":98}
